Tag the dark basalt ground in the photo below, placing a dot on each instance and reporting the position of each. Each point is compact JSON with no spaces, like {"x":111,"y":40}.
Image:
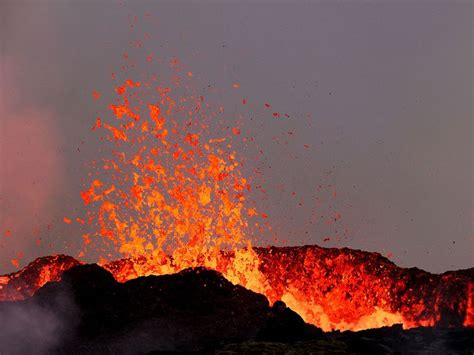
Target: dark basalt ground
{"x":196,"y":310}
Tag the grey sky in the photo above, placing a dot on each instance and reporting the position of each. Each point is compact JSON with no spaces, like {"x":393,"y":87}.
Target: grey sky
{"x":388,"y":86}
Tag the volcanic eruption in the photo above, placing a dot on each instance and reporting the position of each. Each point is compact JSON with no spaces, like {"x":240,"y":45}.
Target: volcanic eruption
{"x":172,"y":197}
{"x":170,"y":193}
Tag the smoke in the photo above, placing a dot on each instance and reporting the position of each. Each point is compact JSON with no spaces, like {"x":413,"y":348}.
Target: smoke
{"x":30,"y":328}
{"x":30,"y":165}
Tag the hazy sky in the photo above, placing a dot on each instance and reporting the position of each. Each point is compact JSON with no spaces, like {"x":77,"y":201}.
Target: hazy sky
{"x":387,"y":85}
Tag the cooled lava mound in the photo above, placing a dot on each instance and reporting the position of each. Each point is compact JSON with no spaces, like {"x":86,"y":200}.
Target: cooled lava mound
{"x":88,"y":311}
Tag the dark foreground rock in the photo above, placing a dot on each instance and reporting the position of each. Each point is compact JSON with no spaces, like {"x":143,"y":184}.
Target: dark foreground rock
{"x":388,"y":340}
{"x":196,"y":310}
{"x":89,"y":312}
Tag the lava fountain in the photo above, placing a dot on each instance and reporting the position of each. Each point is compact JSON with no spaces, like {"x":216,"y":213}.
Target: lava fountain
{"x":170,"y":188}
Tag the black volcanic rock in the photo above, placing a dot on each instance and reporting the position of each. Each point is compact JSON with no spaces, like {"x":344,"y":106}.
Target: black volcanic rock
{"x":193,"y":310}
{"x":285,"y":325}
{"x":424,"y":340}
{"x":89,"y":312}
{"x":385,"y":340}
